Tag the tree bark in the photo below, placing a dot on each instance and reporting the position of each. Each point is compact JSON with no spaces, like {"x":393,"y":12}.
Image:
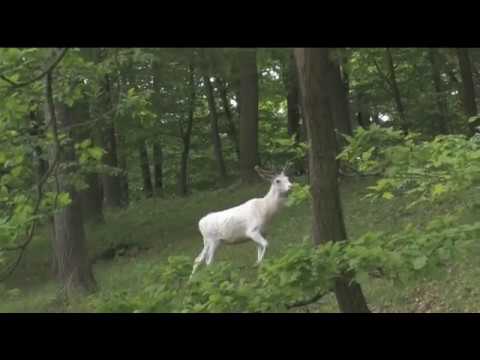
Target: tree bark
{"x":122,"y":164}
{"x":248,"y":98}
{"x":73,"y":267}
{"x":293,"y":113}
{"x":186,"y":135}
{"x":396,"y":92}
{"x":232,"y":129}
{"x":442,"y":126}
{"x":469,"y":104}
{"x":158,"y":168}
{"x":340,"y":104}
{"x":328,"y":225}
{"x":145,"y":169}
{"x":217,"y":143}
{"x":111,"y":183}
{"x":41,"y":165}
{"x":91,"y":198}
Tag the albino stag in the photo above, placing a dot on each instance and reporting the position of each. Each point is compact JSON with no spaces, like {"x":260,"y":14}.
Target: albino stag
{"x":244,"y":222}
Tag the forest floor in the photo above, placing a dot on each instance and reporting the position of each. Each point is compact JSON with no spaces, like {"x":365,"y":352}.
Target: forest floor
{"x":157,"y":228}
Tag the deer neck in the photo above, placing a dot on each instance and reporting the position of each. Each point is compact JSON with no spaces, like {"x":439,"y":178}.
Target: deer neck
{"x":272,"y":202}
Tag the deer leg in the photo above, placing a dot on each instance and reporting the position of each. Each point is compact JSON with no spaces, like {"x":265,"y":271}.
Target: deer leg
{"x":211,"y":251}
{"x":200,"y":258}
{"x":261,"y":242}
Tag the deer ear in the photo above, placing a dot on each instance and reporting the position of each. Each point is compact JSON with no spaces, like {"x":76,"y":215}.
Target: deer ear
{"x":264,"y":174}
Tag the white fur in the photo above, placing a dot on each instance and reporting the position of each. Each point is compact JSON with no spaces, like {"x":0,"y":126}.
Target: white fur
{"x":243,"y":222}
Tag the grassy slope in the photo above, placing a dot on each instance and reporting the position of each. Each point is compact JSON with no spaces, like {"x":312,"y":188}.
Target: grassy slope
{"x":169,"y":227}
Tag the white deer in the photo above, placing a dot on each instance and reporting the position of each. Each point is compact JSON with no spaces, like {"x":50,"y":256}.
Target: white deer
{"x":244,"y":222}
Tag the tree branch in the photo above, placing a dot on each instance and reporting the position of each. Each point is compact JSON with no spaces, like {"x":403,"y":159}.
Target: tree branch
{"x":51,"y":109}
{"x":49,"y":69}
{"x":308,"y":301}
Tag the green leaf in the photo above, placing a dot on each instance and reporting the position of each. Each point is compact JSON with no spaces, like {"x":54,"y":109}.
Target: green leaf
{"x":420,"y":262}
{"x":387,"y":195}
{"x":438,"y":189}
{"x":95,"y":152}
{"x":64,"y":199}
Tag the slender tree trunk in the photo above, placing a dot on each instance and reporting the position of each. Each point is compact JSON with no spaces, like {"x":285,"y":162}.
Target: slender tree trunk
{"x":111,"y":183}
{"x":217,"y":143}
{"x":157,"y":147}
{"x":74,"y":268}
{"x":158,"y":168}
{"x":340,"y":105}
{"x":396,"y":91}
{"x":293,"y":96}
{"x":122,"y":164}
{"x":248,"y":114}
{"x":145,"y":168}
{"x":38,"y":130}
{"x":313,"y":67}
{"x":232,"y":130}
{"x":469,"y":104}
{"x":186,"y":135}
{"x":442,"y":127}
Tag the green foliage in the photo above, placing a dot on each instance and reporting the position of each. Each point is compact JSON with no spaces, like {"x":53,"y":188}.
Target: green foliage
{"x":426,"y":170}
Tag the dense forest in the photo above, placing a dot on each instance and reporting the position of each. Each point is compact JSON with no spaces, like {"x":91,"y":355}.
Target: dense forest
{"x":109,"y":157}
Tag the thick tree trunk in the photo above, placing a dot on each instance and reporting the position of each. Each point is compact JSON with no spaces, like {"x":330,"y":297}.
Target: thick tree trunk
{"x":396,"y":92}
{"x":217,"y":143}
{"x":73,"y":267}
{"x":469,"y":104}
{"x":145,"y":169}
{"x":186,"y":135}
{"x":313,"y":67}
{"x":92,"y":197}
{"x":232,"y":129}
{"x":248,"y":114}
{"x":158,"y":168}
{"x":92,"y":201}
{"x":442,"y":126}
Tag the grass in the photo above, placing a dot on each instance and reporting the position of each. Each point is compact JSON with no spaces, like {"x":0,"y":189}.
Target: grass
{"x":166,"y":227}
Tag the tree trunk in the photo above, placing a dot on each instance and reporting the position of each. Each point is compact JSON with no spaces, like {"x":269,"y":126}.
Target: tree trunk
{"x":111,"y":183}
{"x":469,"y":104}
{"x":396,"y":91}
{"x":92,"y":201}
{"x":122,"y":164}
{"x":293,"y":113}
{"x":38,"y":130}
{"x":328,"y":224}
{"x":442,"y":127}
{"x":145,"y":168}
{"x":186,"y":135}
{"x":73,"y":267}
{"x":248,"y":114}
{"x":91,"y":198}
{"x":340,"y":105}
{"x":158,"y":168}
{"x":217,"y":143}
{"x":232,"y":130}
